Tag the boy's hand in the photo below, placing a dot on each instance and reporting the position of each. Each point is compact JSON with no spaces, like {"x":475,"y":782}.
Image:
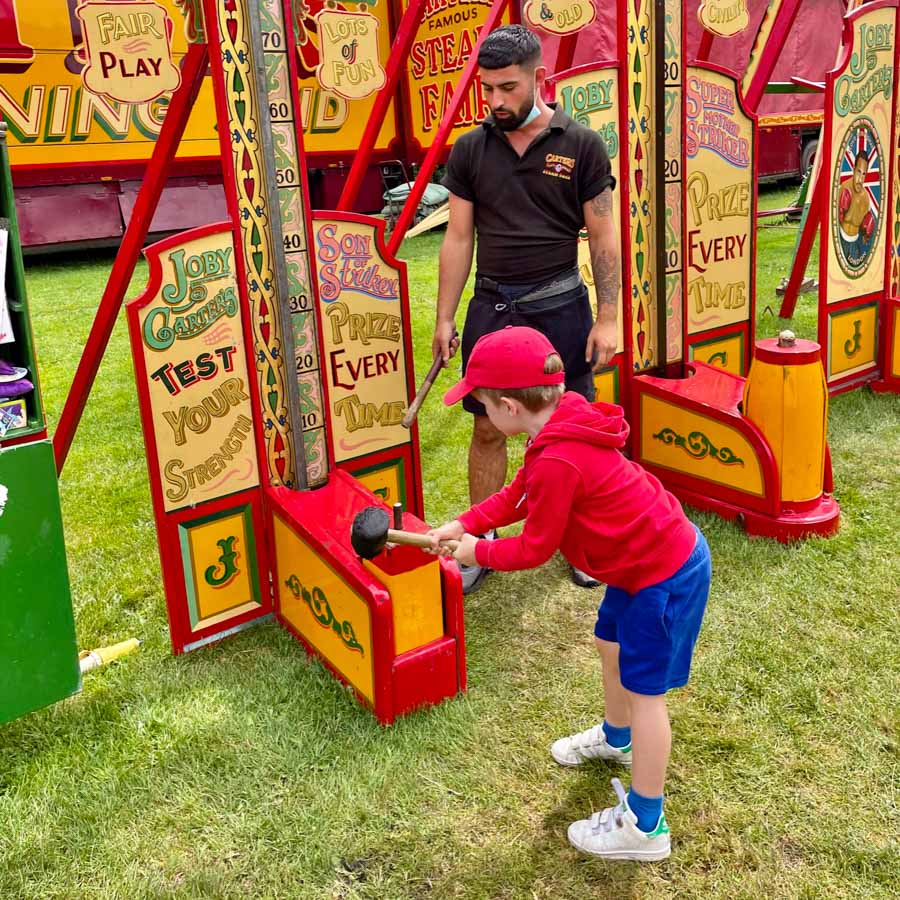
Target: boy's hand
{"x":451,"y":531}
{"x":465,"y":552}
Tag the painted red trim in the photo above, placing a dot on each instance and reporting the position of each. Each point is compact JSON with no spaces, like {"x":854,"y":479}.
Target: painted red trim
{"x":682,"y":57}
{"x":396,"y":67}
{"x":625,"y":388}
{"x":583,"y":69}
{"x":438,"y":145}
{"x":771,"y":52}
{"x":800,"y":354}
{"x":108,"y":171}
{"x":888,"y":382}
{"x":706,"y":41}
{"x":164,"y":151}
{"x":861,"y":300}
{"x":41,"y":435}
{"x":890,"y":241}
{"x":454,"y":618}
{"x":804,"y":248}
{"x":789,"y":526}
{"x":720,"y":331}
{"x":565,"y":52}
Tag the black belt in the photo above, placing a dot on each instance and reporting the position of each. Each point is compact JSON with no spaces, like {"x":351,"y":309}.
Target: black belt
{"x":559,"y":284}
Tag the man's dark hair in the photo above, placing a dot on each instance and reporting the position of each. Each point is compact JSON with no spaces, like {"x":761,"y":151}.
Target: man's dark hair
{"x":510,"y":45}
{"x":862,"y":155}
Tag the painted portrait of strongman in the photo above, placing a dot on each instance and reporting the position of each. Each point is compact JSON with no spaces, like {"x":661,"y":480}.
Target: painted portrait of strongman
{"x":856,"y":197}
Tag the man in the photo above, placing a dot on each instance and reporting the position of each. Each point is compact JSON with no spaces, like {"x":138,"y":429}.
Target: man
{"x":857,"y":223}
{"x":527,"y":180}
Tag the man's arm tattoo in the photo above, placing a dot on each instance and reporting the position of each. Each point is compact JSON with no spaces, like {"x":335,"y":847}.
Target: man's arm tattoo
{"x":606,"y":265}
{"x":601,"y":205}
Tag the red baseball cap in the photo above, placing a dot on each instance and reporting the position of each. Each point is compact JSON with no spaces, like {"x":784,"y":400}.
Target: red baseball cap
{"x":513,"y":357}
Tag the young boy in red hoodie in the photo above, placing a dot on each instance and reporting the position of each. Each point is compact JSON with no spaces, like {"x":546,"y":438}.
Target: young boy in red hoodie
{"x":578,"y":494}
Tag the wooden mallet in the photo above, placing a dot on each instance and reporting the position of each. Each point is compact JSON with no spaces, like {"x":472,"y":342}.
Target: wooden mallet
{"x":422,"y":393}
{"x":371,"y":530}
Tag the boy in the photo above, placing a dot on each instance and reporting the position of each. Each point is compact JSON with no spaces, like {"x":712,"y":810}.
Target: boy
{"x":610,"y":518}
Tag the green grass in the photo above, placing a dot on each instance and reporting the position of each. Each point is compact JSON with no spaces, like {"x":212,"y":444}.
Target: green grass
{"x":245,"y":770}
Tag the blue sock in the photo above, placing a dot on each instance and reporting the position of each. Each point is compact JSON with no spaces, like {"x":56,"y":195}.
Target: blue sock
{"x":617,"y":737}
{"x":647,"y":809}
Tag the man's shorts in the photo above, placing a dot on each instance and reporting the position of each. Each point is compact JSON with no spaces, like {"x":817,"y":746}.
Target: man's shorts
{"x":657,"y":627}
{"x":565,"y":319}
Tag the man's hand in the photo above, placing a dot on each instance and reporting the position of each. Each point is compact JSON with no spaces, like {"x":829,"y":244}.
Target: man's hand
{"x":601,"y":343}
{"x":451,"y":531}
{"x":465,"y":552}
{"x":445,"y":341}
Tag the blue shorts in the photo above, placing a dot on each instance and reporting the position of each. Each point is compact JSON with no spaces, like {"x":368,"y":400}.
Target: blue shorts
{"x":657,"y":627}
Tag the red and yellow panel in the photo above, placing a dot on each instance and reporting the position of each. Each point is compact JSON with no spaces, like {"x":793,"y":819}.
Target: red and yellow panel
{"x":700,"y":446}
{"x":852,"y":340}
{"x":416,"y":596}
{"x":725,"y":352}
{"x":324,"y":610}
{"x":219,"y":557}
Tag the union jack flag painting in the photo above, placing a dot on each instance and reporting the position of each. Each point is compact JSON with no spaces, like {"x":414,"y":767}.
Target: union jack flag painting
{"x":857,"y":192}
{"x":864,"y":142}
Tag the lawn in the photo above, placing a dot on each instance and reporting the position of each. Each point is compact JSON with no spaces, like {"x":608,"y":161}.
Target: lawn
{"x":245,"y":770}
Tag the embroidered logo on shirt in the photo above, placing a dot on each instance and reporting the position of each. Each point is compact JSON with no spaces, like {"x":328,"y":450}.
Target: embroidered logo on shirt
{"x":559,"y":166}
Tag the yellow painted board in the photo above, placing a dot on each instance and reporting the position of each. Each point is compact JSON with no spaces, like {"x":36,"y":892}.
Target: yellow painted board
{"x":852,"y":340}
{"x":417,"y":603}
{"x":324,"y":609}
{"x":220,"y":574}
{"x":727,"y":353}
{"x":384,"y":483}
{"x":686,"y":441}
{"x":606,"y":386}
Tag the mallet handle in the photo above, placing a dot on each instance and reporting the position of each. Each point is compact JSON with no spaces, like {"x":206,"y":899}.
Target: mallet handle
{"x":415,"y":540}
{"x":419,"y":399}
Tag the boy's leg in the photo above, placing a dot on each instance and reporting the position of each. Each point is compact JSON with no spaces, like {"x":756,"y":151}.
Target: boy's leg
{"x":651,"y":739}
{"x":617,"y":699}
{"x":602,"y":741}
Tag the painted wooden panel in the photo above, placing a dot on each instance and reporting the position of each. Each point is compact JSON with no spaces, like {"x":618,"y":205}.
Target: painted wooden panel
{"x":687,"y":441}
{"x":852,"y":340}
{"x":719,"y":231}
{"x":725,"y":352}
{"x":324,"y":610}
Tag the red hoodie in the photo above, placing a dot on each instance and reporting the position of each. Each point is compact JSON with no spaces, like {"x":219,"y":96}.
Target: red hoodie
{"x":580,"y":495}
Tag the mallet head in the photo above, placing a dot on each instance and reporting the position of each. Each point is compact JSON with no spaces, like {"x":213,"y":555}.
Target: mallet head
{"x":369,"y":532}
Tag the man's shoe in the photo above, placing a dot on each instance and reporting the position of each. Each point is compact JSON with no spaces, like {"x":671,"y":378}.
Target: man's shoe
{"x":613,"y":834}
{"x":591,"y":744}
{"x":582,"y":579}
{"x":473,"y":576}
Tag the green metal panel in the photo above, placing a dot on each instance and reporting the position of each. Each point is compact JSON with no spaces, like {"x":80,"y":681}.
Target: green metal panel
{"x":38,"y":652}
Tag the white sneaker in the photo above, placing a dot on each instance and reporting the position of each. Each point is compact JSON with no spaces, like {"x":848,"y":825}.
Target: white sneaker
{"x":613,"y":834}
{"x":591,"y":744}
{"x":473,"y":576}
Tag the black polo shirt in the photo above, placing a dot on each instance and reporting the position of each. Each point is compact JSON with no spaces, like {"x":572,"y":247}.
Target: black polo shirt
{"x":528,"y":210}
